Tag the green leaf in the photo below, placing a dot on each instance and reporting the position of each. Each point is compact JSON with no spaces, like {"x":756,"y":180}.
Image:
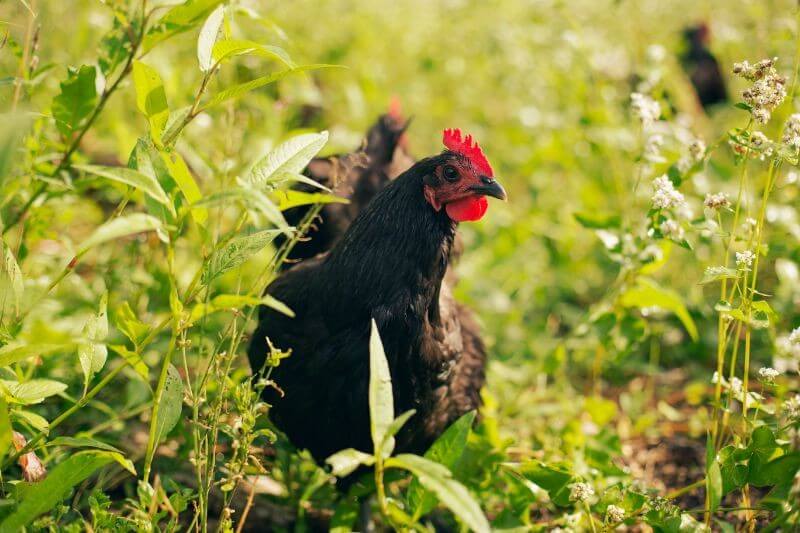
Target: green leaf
{"x":398,"y":423}
{"x":133,"y":359}
{"x":290,"y":198}
{"x":76,"y":101}
{"x":598,"y":220}
{"x":714,"y":485}
{"x":649,"y":294}
{"x":177,"y":20}
{"x":39,"y":423}
{"x":446,"y":451}
{"x":345,"y":462}
{"x":15,"y":127}
{"x":170,"y":404}
{"x":233,"y":47}
{"x":14,"y":274}
{"x":128,"y":324}
{"x":92,"y":353}
{"x":718,"y":273}
{"x":144,"y":182}
{"x":13,"y":353}
{"x":438,"y":479}
{"x":237,"y":91}
{"x":33,"y":391}
{"x":151,"y":98}
{"x":120,"y":227}
{"x":82,"y":442}
{"x":236,"y":252}
{"x":289,"y":157}
{"x":5,"y":429}
{"x":554,"y":479}
{"x":236,"y":301}
{"x":179,"y":172}
{"x":381,"y":399}
{"x":207,"y":38}
{"x":42,"y":496}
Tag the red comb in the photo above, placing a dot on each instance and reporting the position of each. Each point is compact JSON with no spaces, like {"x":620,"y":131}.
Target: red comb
{"x":395,"y":108}
{"x":468,"y":148}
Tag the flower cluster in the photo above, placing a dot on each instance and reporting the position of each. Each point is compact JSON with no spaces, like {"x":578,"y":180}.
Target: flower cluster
{"x":580,"y":492}
{"x":671,"y":230}
{"x":697,"y":149}
{"x":767,"y":375}
{"x":791,"y":132}
{"x":745,"y":259}
{"x":645,"y":109}
{"x":792,"y":407}
{"x":665,"y":195}
{"x":716,"y":201}
{"x":768,"y":89}
{"x":615,"y":514}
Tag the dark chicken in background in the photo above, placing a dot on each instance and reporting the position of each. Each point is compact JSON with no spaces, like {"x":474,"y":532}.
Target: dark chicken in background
{"x":357,"y":176}
{"x":388,"y":266}
{"x":702,"y":67}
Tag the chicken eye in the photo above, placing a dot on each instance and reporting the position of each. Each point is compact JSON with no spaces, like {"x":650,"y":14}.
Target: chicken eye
{"x":450,"y":173}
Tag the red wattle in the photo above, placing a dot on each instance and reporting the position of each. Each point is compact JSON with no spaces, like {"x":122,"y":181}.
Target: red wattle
{"x":467,"y":209}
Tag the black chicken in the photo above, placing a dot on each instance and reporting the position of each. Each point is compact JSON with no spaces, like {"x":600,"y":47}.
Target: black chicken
{"x":357,"y":176}
{"x":702,"y":67}
{"x":388,"y":266}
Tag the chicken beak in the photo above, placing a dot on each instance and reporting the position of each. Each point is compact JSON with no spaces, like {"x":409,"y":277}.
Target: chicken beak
{"x":490,"y":187}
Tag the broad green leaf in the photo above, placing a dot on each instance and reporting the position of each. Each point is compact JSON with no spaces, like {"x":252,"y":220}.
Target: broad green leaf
{"x":234,"y":47}
{"x":13,"y":353}
{"x":345,"y":462}
{"x":446,"y":451}
{"x":598,"y":220}
{"x":43,"y":496}
{"x":170,"y":404}
{"x":92,"y":352}
{"x":381,"y":398}
{"x":5,"y":429}
{"x":438,"y":479}
{"x":144,"y":182}
{"x":300,"y":178}
{"x":180,"y":173}
{"x":648,"y":294}
{"x":177,"y":20}
{"x":554,"y":479}
{"x":714,"y":485}
{"x":82,"y":442}
{"x":398,"y":423}
{"x":237,"y":91}
{"x":289,"y":198}
{"x":718,"y":273}
{"x":128,"y":324}
{"x":236,"y":252}
{"x":133,"y":359}
{"x":120,"y":227}
{"x":37,"y":422}
{"x":233,"y":301}
{"x":14,"y":274}
{"x":76,"y":101}
{"x":207,"y":38}
{"x":151,"y":98}
{"x":289,"y":157}
{"x":33,"y":391}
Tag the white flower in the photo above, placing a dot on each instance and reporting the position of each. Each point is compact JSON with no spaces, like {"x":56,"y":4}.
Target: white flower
{"x":671,"y":230}
{"x":745,"y":259}
{"x":794,"y":336}
{"x":768,"y":89}
{"x":716,"y":201}
{"x":715,"y":378}
{"x":767,"y":374}
{"x":792,"y":407}
{"x":791,"y":132}
{"x":645,"y":109}
{"x":736,"y":385}
{"x":664,"y":194}
{"x":697,"y":149}
{"x":580,"y":492}
{"x":652,"y":149}
{"x":615,"y":514}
